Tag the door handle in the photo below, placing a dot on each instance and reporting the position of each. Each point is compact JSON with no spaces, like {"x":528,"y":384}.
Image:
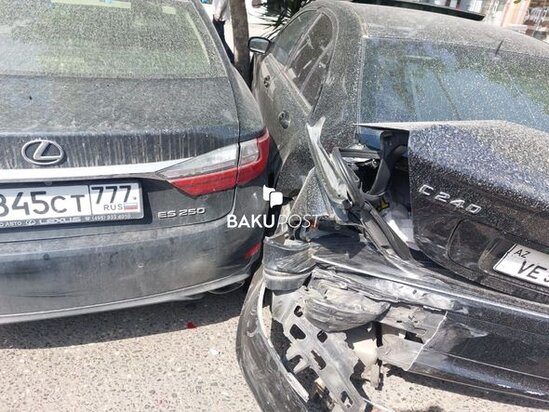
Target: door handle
{"x":267,"y":81}
{"x":284,"y":119}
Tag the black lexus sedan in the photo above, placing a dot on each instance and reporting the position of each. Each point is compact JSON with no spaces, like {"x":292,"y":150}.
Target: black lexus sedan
{"x":414,"y":153}
{"x":126,"y":138}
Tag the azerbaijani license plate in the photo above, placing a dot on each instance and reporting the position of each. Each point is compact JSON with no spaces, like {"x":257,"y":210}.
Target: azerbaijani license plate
{"x":526,"y":264}
{"x":51,"y":205}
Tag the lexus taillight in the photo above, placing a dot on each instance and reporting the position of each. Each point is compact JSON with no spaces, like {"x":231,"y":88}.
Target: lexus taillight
{"x":220,"y":169}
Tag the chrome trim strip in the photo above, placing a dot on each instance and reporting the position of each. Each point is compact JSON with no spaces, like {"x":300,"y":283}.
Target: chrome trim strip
{"x":146,"y":170}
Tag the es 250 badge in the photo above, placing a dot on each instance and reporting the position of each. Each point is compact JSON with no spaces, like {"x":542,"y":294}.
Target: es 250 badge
{"x":167,"y":214}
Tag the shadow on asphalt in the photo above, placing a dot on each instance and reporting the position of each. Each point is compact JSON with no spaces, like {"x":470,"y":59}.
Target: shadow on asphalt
{"x":122,"y":324}
{"x":469,"y":391}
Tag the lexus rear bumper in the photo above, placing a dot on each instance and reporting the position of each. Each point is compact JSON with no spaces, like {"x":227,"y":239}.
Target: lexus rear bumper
{"x":69,"y":276}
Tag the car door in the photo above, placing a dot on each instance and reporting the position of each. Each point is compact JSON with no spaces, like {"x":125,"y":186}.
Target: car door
{"x":269,"y":66}
{"x":298,"y":86}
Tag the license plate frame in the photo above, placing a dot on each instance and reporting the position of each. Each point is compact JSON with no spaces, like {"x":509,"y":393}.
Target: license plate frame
{"x":75,"y":203}
{"x":524,"y":263}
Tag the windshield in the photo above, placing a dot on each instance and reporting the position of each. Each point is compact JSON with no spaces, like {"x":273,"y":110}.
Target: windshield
{"x":105,"y":39}
{"x":407,"y":81}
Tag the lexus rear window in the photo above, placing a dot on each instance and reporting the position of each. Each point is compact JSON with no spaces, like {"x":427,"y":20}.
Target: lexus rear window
{"x":422,"y":81}
{"x":105,"y":39}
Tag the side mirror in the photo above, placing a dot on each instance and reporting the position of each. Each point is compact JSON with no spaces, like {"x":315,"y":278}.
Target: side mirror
{"x":259,"y":45}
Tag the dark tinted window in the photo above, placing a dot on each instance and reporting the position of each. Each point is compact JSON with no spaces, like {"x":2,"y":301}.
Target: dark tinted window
{"x":288,"y":38}
{"x":311,"y":56}
{"x":413,"y":81}
{"x":312,"y":86}
{"x":127,"y":39}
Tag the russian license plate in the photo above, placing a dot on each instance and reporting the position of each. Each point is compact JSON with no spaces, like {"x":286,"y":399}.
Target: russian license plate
{"x":50,"y":205}
{"x":526,"y":264}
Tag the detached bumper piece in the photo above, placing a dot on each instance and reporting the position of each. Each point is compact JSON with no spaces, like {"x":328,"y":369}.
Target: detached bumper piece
{"x":355,"y":311}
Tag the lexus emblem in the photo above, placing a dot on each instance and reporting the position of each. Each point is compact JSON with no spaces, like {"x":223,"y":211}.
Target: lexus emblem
{"x":43,"y":152}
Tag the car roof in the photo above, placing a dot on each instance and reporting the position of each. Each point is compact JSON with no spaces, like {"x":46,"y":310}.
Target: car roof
{"x":416,"y":25}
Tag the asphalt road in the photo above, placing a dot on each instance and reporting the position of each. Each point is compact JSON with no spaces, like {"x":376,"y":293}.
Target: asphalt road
{"x":136,"y":359}
{"x":152,"y":358}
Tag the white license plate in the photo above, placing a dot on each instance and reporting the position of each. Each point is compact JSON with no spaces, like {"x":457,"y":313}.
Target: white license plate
{"x":526,"y":264}
{"x":50,"y":205}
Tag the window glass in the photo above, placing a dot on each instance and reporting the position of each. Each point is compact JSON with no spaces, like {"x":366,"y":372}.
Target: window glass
{"x":311,"y":87}
{"x":311,"y":53}
{"x":119,"y":39}
{"x":290,"y":35}
{"x":413,"y":82}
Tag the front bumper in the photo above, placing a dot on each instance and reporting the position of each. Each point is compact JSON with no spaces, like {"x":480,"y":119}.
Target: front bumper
{"x":82,"y":274}
{"x":431,"y":325}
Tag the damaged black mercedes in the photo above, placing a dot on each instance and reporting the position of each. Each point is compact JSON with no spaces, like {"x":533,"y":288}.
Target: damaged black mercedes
{"x":418,"y":239}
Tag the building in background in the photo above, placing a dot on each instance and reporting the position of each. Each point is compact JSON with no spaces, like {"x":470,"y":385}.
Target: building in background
{"x":525,"y":16}
{"x":530,"y":17}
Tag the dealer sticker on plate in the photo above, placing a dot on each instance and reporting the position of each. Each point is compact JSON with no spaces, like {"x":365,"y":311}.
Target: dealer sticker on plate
{"x":526,"y":264}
